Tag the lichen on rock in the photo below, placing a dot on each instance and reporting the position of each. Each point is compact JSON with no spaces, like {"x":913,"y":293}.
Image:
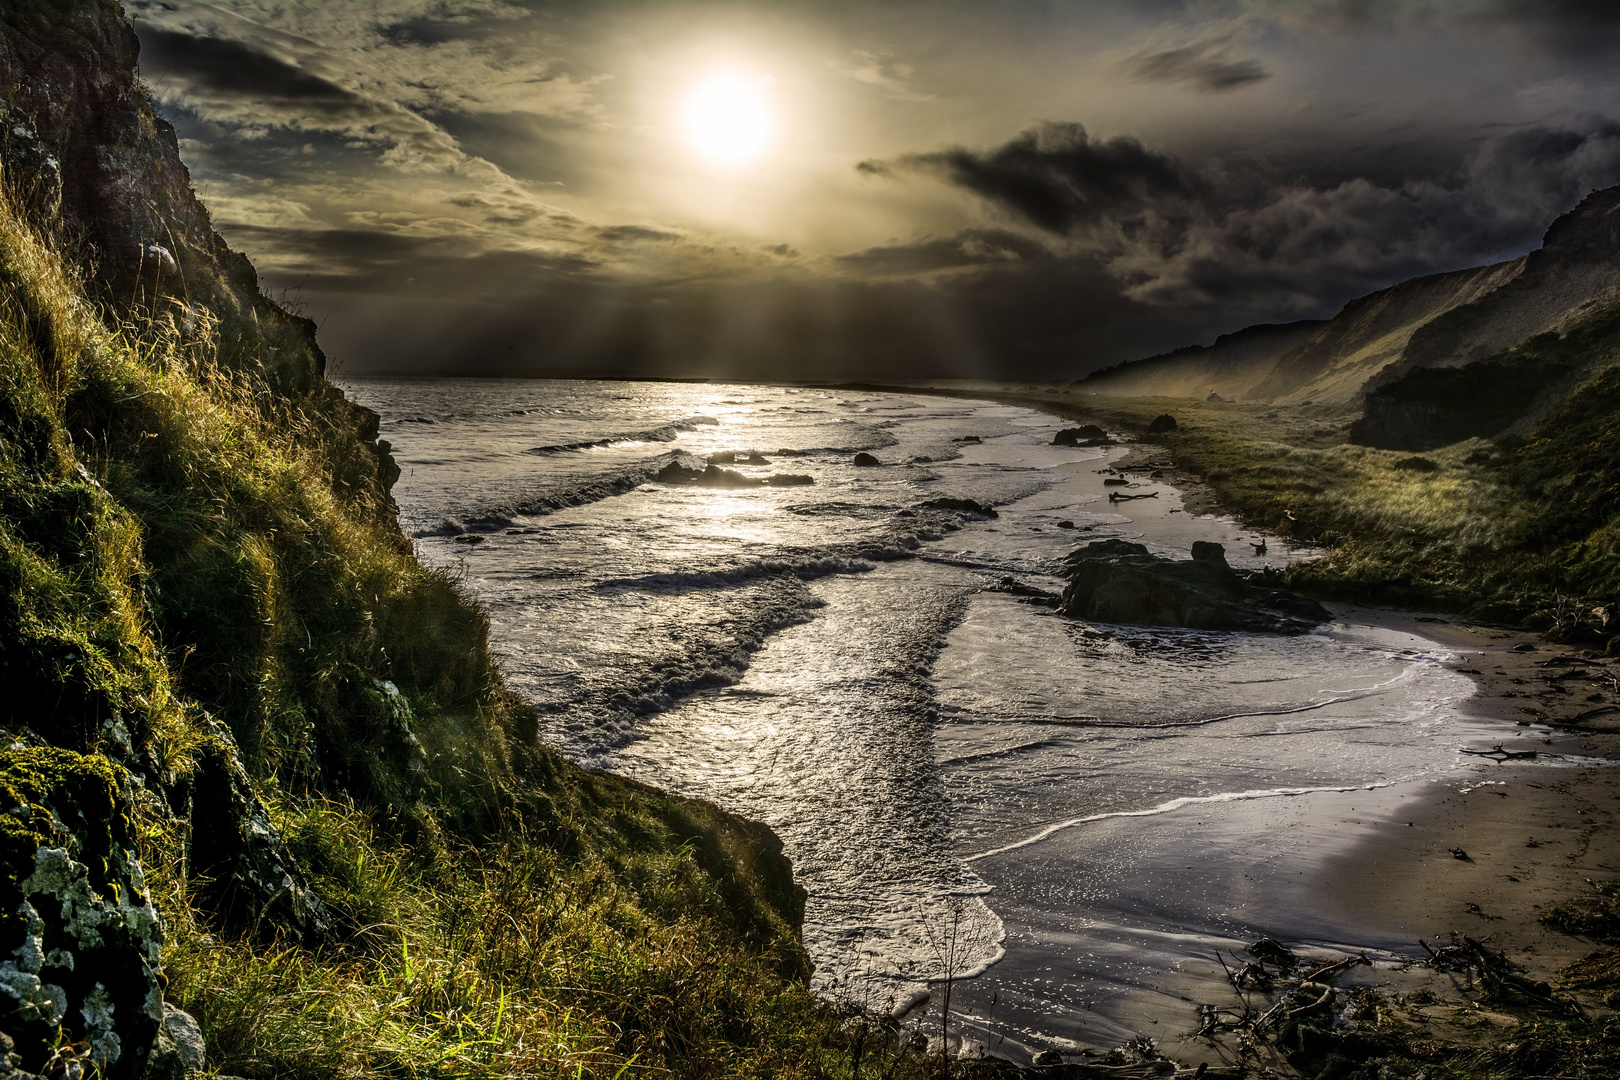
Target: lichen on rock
{"x":86,"y":966}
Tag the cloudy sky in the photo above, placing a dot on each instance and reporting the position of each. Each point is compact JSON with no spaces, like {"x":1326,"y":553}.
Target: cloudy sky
{"x":831,"y":189}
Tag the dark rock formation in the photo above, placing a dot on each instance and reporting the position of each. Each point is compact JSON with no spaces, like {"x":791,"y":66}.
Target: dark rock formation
{"x":254,"y":878}
{"x":865,"y":460}
{"x":713,"y":476}
{"x":94,"y":166}
{"x":82,"y":938}
{"x":965,"y":506}
{"x":1121,"y":582}
{"x":1084,"y":435}
{"x":1429,"y":407}
{"x":1162,"y":422}
{"x":740,"y":457}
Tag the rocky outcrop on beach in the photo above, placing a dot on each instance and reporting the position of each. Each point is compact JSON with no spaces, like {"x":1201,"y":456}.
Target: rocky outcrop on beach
{"x":1117,"y":581}
{"x":1084,"y":435}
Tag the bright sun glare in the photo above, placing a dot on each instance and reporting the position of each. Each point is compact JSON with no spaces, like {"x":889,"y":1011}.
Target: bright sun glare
{"x":729,"y":119}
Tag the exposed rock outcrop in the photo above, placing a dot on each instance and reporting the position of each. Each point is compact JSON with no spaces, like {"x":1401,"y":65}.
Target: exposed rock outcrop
{"x":964,"y":506}
{"x":1117,"y":581}
{"x":713,"y":476}
{"x":81,"y":941}
{"x":1084,"y":435}
{"x":83,"y":150}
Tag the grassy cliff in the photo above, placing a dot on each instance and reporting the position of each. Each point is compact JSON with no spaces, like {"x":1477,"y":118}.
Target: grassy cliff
{"x":206,"y":624}
{"x":271,"y":810}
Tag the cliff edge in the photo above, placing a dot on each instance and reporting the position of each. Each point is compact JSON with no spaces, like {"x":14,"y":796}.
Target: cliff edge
{"x":270,"y":809}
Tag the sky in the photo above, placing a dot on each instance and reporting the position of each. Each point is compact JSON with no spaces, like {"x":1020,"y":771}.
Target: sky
{"x":1019,"y":189}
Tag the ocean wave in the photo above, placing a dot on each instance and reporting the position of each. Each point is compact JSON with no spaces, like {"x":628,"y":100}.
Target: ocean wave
{"x":805,"y":569}
{"x":606,"y":704}
{"x":908,"y":530}
{"x":551,"y":498}
{"x":663,"y":433}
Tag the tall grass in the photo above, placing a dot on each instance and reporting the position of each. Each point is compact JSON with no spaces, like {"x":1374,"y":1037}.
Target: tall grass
{"x":178,"y":536}
{"x":505,"y":959}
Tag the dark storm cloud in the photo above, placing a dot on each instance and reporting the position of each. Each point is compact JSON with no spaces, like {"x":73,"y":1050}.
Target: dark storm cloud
{"x":232,"y":67}
{"x":631,"y":233}
{"x":1200,"y":66}
{"x":1253,"y":237}
{"x":1057,"y":177}
{"x":341,"y":252}
{"x":362,"y":259}
{"x":1574,"y":28}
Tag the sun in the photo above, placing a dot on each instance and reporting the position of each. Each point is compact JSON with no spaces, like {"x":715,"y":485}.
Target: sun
{"x":729,"y":121}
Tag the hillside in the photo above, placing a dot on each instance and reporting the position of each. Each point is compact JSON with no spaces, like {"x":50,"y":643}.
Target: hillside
{"x":272,"y":811}
{"x":1440,"y":321}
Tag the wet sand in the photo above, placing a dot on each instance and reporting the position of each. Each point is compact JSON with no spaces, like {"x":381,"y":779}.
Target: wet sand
{"x":1114,"y":926}
{"x":1533,"y":835}
{"x":1375,"y":871}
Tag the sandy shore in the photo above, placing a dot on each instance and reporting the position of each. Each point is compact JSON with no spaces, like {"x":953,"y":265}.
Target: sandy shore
{"x":1485,"y":858}
{"x":1537,"y":833}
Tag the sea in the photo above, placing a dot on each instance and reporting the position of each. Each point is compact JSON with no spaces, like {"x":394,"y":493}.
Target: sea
{"x":1069,"y":820}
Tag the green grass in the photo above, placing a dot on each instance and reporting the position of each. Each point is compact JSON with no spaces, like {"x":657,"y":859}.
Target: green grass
{"x":1524,"y":529}
{"x":514,"y":957}
{"x":181,"y":537}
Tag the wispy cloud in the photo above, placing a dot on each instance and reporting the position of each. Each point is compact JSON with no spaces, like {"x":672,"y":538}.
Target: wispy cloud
{"x":893,"y":77}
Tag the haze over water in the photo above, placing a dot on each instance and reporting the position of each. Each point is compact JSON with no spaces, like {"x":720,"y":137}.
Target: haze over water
{"x":1095,"y":808}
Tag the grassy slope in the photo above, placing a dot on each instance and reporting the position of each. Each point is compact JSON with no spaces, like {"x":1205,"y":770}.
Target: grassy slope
{"x":175,"y":540}
{"x":1524,"y":529}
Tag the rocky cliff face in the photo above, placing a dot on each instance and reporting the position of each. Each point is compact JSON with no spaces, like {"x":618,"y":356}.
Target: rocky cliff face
{"x":95,"y":735}
{"x":95,"y":167}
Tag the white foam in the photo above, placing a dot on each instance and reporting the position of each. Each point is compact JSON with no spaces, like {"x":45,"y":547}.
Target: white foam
{"x":1171,"y":806}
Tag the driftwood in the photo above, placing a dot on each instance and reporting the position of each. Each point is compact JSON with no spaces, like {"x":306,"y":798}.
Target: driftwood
{"x":1114,"y":496}
{"x":1497,"y":974}
{"x":1337,"y":966}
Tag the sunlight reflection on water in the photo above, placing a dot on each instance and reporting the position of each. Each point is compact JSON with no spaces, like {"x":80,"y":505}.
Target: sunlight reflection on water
{"x":825,"y":659}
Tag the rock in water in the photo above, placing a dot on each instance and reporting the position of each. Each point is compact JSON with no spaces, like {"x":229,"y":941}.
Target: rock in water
{"x":966,"y":506}
{"x":1162,"y":422}
{"x":1121,"y":582}
{"x":1075,"y":436}
{"x":866,"y":460}
{"x":713,"y":476}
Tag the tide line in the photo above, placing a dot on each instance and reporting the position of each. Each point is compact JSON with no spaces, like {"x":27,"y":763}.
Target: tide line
{"x":1178,"y":804}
